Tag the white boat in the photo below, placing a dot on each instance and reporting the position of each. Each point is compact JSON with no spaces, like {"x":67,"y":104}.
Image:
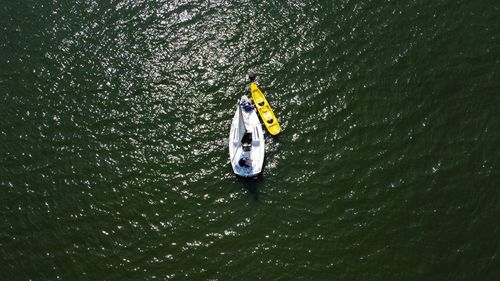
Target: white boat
{"x":246,"y":140}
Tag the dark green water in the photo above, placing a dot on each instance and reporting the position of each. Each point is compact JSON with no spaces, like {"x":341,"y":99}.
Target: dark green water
{"x":114,"y":118}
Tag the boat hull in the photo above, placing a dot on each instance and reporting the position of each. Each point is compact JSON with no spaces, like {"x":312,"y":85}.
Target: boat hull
{"x":246,"y":141}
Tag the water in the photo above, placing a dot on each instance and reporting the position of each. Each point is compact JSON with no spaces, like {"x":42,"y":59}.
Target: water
{"x":114,"y":118}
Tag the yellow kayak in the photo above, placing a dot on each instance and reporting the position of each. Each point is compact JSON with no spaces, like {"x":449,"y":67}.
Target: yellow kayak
{"x":265,"y":111}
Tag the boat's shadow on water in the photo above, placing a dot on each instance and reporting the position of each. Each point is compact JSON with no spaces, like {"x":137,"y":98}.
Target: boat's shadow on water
{"x":252,"y":185}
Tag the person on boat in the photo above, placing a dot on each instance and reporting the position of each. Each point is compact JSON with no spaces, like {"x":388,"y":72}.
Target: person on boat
{"x":245,"y":162}
{"x":247,"y":105}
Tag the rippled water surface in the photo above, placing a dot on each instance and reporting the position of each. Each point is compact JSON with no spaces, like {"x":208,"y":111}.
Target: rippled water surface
{"x":114,"y":118}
